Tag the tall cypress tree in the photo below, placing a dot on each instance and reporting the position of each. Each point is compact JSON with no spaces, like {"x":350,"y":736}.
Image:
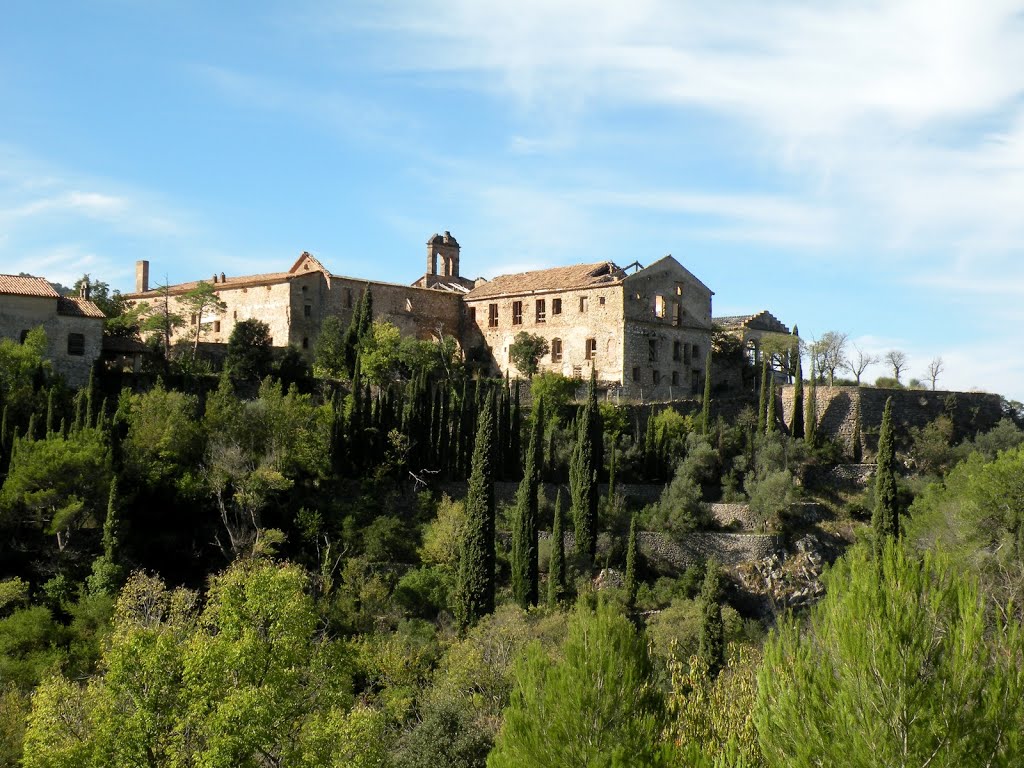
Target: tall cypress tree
{"x":705,"y":409}
{"x":797,"y":426}
{"x":885,"y":519}
{"x":474,"y":590}
{"x":524,"y":531}
{"x":107,"y":570}
{"x":631,"y":564}
{"x":762,"y":406}
{"x":515,"y":436}
{"x":556,"y":565}
{"x":711,"y":647}
{"x":583,"y":471}
{"x":49,"y":411}
{"x":811,"y":417}
{"x":770,"y":416}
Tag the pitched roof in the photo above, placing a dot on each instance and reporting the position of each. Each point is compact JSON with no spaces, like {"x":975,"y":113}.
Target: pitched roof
{"x":75,"y":307}
{"x":554,"y":279}
{"x":24,"y":285}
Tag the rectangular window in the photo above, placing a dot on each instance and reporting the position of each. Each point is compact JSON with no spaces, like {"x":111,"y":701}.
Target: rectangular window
{"x":577,"y":372}
{"x":600,"y":300}
{"x":584,"y":303}
{"x":76,"y":344}
{"x":696,"y":353}
{"x":636,"y":374}
{"x":675,"y":378}
{"x":679,"y":289}
{"x":656,"y":377}
{"x":677,"y":350}
{"x":677,"y":313}
{"x":541,"y":308}
{"x":652,"y":350}
{"x":556,"y":306}
{"x":472,"y":314}
{"x":216,"y":326}
{"x":556,"y":350}
{"x":492,"y":315}
{"x":591,"y":348}
{"x":517,"y":313}
{"x":686,"y":354}
{"x":307,"y":310}
{"x":659,"y":306}
{"x":305,"y":342}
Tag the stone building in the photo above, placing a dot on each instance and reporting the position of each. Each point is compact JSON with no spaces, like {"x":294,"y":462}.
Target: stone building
{"x":645,"y":332}
{"x":73,"y":325}
{"x":750,"y":330}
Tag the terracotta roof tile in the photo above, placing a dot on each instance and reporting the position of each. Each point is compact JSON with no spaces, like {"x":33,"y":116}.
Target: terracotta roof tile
{"x":242,"y":281}
{"x":19,"y":285}
{"x":555,"y":279}
{"x":75,"y":307}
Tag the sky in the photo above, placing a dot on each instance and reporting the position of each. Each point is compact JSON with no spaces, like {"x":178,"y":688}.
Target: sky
{"x":849,"y":166}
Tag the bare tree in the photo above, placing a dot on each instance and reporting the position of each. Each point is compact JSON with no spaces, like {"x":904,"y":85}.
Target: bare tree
{"x":829,"y":353}
{"x":896,"y":360}
{"x":857,"y":365}
{"x":935,"y":368}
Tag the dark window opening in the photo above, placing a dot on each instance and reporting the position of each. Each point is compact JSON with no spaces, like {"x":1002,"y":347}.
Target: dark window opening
{"x":636,"y":374}
{"x":492,"y":315}
{"x":517,"y":313}
{"x":556,"y":306}
{"x":305,"y":342}
{"x":652,"y":350}
{"x":556,"y":350}
{"x":591,"y":349}
{"x":307,"y":310}
{"x":76,"y":344}
{"x":677,"y":350}
{"x":584,"y":303}
{"x":675,"y":378}
{"x":656,"y":377}
{"x":541,"y":311}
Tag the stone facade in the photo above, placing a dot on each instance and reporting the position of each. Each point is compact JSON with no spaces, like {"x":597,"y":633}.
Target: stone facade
{"x":645,"y":333}
{"x":74,"y":326}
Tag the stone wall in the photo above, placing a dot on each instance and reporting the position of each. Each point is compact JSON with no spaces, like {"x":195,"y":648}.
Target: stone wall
{"x":727,"y":548}
{"x":23,"y":313}
{"x":840,"y":409}
{"x":842,"y":477}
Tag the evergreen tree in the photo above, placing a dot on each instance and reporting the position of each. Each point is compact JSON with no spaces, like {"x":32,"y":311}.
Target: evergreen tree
{"x":90,"y":394}
{"x":583,"y":474}
{"x":49,"y":411}
{"x":524,"y":532}
{"x":770,"y":418}
{"x":515,"y":437}
{"x":712,"y":630}
{"x":886,"y":519}
{"x":811,"y":418}
{"x":611,"y":481}
{"x":474,"y":590}
{"x":705,"y":410}
{"x":762,"y":406}
{"x":556,"y":565}
{"x":797,"y":426}
{"x":107,"y":569}
{"x":631,"y":564}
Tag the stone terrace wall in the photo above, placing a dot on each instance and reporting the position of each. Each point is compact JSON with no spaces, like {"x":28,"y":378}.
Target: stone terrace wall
{"x":839,"y":409}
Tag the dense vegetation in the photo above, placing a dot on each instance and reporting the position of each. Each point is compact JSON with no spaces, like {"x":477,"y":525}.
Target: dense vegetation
{"x":265,"y":568}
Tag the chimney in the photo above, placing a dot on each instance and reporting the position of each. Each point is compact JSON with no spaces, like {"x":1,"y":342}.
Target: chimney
{"x":141,"y":276}
{"x":85,"y":290}
{"x":222,"y":278}
{"x":214,"y":278}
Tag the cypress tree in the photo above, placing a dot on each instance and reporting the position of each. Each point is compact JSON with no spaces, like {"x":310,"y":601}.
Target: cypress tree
{"x":797,"y":425}
{"x":90,"y":393}
{"x":107,"y":571}
{"x":556,"y":565}
{"x":705,"y":410}
{"x":49,"y":412}
{"x":4,"y":441}
{"x":474,"y":590}
{"x":811,"y":419}
{"x":711,"y":647}
{"x":30,"y":433}
{"x":583,"y":484}
{"x":885,"y":518}
{"x":770,"y":417}
{"x":516,"y":437}
{"x":524,"y":532}
{"x":631,"y":564}
{"x":762,"y":406}
{"x":611,"y":481}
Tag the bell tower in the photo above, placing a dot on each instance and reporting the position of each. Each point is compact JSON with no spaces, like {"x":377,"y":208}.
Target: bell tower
{"x":443,"y":248}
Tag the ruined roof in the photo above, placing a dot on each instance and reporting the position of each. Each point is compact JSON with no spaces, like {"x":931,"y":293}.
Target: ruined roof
{"x":242,"y":281}
{"x":76,"y":307}
{"x":25,"y":285}
{"x":555,"y":279}
{"x":763,"y":320}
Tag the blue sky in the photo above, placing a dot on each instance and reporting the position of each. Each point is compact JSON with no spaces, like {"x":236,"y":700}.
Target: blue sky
{"x":856,"y":167}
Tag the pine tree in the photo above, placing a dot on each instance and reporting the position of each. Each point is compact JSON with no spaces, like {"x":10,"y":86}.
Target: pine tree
{"x":797,"y":427}
{"x":762,"y":407}
{"x":770,"y":417}
{"x":631,"y":565}
{"x":556,"y":565}
{"x":712,"y":629}
{"x":705,"y":410}
{"x":524,"y":533}
{"x":474,"y":591}
{"x":885,"y":519}
{"x":811,"y":418}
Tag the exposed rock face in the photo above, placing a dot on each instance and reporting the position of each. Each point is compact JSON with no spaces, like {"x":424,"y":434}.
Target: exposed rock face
{"x":787,"y":580}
